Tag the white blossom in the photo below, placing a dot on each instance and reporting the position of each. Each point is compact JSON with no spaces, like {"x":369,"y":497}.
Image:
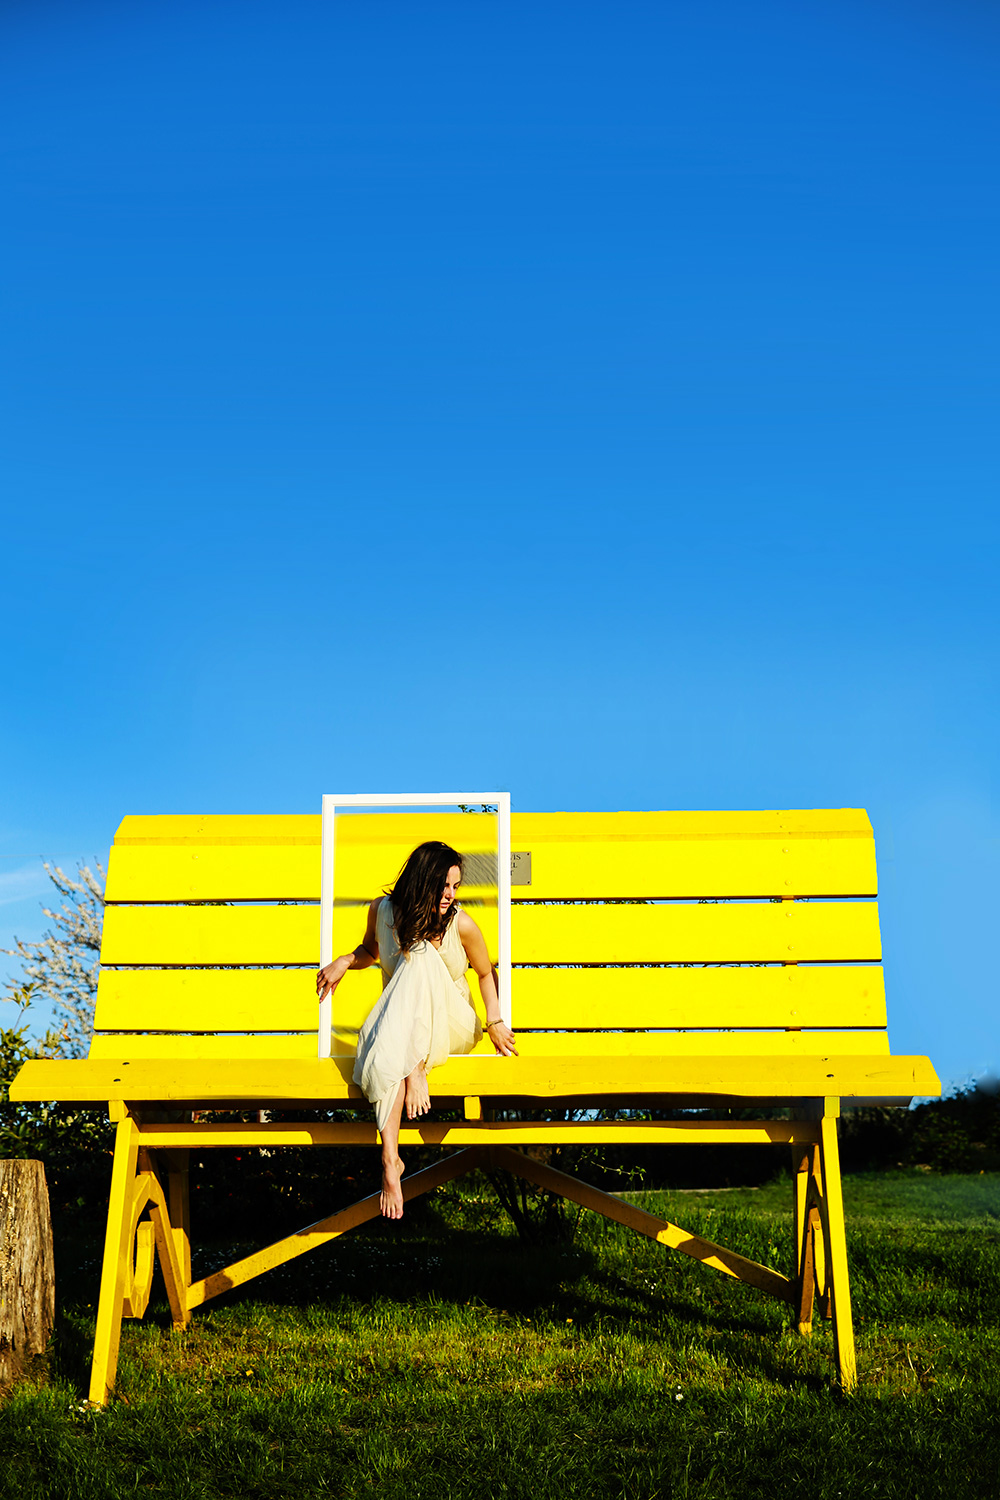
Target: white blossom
{"x":62,"y":966}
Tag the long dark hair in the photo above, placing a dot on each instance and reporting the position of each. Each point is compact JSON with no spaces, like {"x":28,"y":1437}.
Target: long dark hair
{"x":416,"y":896}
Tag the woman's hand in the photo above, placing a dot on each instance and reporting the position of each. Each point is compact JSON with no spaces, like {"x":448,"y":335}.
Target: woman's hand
{"x":503,"y":1039}
{"x":329,"y":977}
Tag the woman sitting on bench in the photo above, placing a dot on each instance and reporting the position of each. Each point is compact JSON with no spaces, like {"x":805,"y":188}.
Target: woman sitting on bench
{"x":424,"y":942}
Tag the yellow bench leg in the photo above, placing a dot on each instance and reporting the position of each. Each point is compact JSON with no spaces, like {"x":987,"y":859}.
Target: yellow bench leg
{"x":800,"y":1184}
{"x":116,"y":1268}
{"x":180,"y":1208}
{"x":838,"y":1281}
{"x":805,"y":1186}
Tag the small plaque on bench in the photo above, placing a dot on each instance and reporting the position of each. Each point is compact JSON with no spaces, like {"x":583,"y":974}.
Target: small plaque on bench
{"x":481,"y":869}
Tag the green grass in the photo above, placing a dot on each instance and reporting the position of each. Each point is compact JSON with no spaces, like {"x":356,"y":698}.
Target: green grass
{"x":447,"y":1360}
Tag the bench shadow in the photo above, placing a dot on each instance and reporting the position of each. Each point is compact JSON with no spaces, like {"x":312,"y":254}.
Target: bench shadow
{"x":72,"y":1346}
{"x":381,"y":1262}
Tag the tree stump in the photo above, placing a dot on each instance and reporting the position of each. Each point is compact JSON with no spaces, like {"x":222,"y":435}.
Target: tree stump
{"x":27,"y":1270}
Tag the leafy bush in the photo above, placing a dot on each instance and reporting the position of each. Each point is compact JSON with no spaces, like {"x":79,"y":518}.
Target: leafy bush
{"x":73,"y":1143}
{"x":960,"y":1133}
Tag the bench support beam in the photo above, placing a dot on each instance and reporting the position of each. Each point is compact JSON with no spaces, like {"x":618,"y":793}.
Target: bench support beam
{"x":484,"y":1132}
{"x":821,"y":1240}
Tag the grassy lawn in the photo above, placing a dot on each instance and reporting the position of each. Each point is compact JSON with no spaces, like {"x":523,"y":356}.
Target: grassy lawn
{"x":446,"y":1359}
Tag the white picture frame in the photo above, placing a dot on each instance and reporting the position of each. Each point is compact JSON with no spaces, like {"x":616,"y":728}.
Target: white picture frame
{"x":333,"y":801}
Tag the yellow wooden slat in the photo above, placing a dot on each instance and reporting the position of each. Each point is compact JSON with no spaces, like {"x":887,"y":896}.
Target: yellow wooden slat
{"x":361,"y":1132}
{"x":843,"y":822}
{"x":210,"y":935}
{"x":264,"y":999}
{"x":568,"y":869}
{"x":406,"y":829}
{"x":254,"y":872}
{"x":225,"y":872}
{"x":847,"y":822}
{"x":792,"y":932}
{"x":212,"y":828}
{"x":701,"y":1043}
{"x":349,"y":922}
{"x":371,"y":850}
{"x":687,"y":998}
{"x":757,"y":932}
{"x":206,"y":1048}
{"x":530,"y":1044}
{"x":225,"y":1082}
{"x":212,"y":999}
{"x":680,"y":868}
{"x":231,"y":1046}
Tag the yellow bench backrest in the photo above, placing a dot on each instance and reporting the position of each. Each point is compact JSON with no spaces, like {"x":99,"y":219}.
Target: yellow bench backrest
{"x":744,"y":933}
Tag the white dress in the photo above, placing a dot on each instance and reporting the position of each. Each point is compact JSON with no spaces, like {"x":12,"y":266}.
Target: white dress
{"x":424,"y":1014}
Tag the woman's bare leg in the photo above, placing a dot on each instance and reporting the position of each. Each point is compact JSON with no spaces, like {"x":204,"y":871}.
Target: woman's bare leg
{"x":391,"y":1197}
{"x":418,"y":1097}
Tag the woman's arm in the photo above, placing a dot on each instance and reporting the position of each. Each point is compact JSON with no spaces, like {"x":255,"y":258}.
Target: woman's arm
{"x":363,"y":956}
{"x":475,"y":948}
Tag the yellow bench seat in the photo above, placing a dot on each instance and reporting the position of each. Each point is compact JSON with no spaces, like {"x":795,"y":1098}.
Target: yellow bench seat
{"x":316,"y":1084}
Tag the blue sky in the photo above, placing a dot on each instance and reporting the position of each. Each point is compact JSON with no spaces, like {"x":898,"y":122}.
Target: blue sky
{"x":593,"y":400}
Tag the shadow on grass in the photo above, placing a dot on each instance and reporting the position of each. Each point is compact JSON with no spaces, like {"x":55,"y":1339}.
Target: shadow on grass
{"x":556,"y":1285}
{"x":428,"y":1256}
{"x":72,"y":1346}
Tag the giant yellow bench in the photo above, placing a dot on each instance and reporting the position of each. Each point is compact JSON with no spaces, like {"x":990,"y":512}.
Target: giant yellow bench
{"x":662,"y":961}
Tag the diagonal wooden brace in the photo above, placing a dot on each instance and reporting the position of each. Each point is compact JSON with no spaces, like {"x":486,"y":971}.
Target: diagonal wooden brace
{"x":325,"y":1230}
{"x":811,"y":1237}
{"x":671,"y":1235}
{"x":174,"y":1277}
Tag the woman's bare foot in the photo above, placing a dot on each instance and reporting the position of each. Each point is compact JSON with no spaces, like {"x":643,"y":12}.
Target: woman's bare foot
{"x":418,"y":1097}
{"x":390,"y":1199}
